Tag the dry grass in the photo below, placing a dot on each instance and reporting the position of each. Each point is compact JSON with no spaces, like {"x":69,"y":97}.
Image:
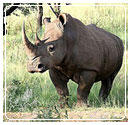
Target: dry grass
{"x":91,"y":114}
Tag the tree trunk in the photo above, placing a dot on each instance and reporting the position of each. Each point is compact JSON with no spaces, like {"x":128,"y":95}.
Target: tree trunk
{"x":39,"y":17}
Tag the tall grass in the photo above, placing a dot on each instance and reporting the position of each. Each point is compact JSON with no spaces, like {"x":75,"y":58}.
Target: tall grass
{"x":30,"y":92}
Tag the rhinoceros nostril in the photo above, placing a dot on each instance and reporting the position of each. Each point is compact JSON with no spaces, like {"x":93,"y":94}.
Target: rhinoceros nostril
{"x":40,"y":66}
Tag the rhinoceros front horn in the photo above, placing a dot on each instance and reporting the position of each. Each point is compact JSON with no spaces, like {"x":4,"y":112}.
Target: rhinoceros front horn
{"x":29,"y":47}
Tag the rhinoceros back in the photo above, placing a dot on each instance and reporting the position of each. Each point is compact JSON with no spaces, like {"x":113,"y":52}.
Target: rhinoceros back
{"x":111,"y":49}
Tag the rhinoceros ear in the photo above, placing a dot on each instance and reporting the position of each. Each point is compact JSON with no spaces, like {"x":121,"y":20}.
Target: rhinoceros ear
{"x":62,"y":18}
{"x":46,"y":20}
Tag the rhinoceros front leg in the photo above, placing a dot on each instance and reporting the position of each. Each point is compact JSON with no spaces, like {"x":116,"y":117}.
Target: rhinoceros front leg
{"x":60,"y":82}
{"x":87,"y":79}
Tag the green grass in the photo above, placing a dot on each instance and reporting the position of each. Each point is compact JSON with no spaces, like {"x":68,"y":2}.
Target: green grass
{"x":30,"y":92}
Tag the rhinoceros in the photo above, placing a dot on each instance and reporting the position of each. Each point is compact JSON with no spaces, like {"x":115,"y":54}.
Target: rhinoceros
{"x":72,"y":50}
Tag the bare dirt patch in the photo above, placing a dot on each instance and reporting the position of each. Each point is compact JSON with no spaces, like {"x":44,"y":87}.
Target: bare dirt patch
{"x":73,"y":115}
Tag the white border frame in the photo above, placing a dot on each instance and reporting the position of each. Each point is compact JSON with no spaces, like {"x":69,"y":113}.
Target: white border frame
{"x":107,"y":4}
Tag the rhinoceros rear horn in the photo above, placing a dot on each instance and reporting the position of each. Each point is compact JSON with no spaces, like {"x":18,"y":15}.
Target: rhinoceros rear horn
{"x":62,"y":18}
{"x":37,"y":39}
{"x":29,"y":47}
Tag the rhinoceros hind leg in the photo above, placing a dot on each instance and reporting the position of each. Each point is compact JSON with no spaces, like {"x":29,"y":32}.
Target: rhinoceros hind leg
{"x":107,"y":85}
{"x":105,"y":89}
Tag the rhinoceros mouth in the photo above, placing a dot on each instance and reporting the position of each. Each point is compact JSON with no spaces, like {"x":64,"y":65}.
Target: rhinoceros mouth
{"x":31,"y":71}
{"x":40,"y":70}
{"x":43,"y":70}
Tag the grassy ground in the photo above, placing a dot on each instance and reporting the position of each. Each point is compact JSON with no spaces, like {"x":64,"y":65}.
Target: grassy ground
{"x":87,"y":114}
{"x":27,"y":92}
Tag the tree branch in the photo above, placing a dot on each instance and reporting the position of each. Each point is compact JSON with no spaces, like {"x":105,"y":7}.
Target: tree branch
{"x":57,"y":14}
{"x":11,"y":9}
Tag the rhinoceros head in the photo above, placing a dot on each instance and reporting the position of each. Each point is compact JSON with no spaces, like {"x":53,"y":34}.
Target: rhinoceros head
{"x":50,"y":51}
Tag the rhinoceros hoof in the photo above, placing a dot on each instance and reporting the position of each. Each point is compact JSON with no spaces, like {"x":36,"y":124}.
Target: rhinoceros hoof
{"x":82,"y":104}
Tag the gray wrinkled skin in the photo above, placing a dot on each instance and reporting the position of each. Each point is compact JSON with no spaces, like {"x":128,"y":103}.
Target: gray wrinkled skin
{"x":71,"y":50}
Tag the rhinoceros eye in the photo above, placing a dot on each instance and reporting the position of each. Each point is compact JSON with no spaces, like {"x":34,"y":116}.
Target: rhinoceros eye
{"x":50,"y":48}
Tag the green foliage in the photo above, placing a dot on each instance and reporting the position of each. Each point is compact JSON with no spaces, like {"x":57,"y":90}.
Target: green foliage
{"x":31,"y":92}
{"x":25,"y":10}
